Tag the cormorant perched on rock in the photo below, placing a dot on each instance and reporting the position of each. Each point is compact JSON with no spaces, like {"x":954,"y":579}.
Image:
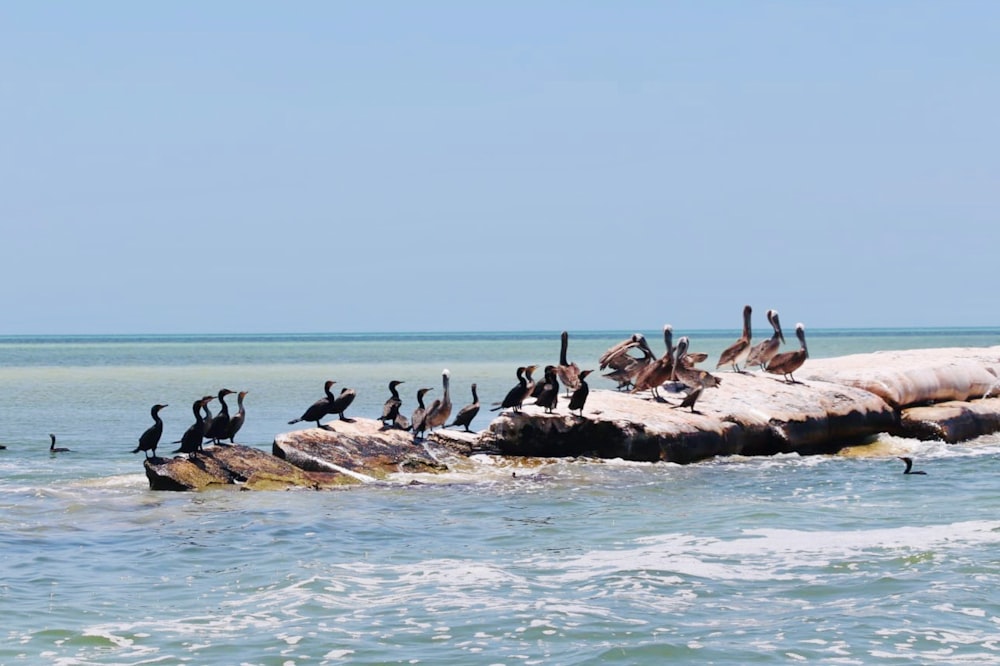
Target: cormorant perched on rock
{"x":695,"y":379}
{"x":390,"y":410}
{"x":736,"y":352}
{"x":909,"y":466}
{"x":440,"y":410}
{"x":151,"y":438}
{"x":540,"y":386}
{"x":418,"y":420}
{"x":54,"y":449}
{"x":236,"y":422}
{"x":190,"y":441}
{"x":762,"y":353}
{"x":467,"y":413}
{"x":579,"y":397}
{"x":342,"y":402}
{"x":206,"y":422}
{"x":655,"y":374}
{"x":568,"y":373}
{"x":788,"y":362}
{"x":219,"y":428}
{"x":515,"y":397}
{"x":318,"y":409}
{"x":548,"y":396}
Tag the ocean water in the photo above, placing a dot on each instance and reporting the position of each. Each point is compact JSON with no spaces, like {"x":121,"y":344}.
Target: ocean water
{"x":827,"y":559}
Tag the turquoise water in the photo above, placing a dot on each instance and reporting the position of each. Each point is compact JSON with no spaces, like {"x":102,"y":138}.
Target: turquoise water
{"x":827,"y":559}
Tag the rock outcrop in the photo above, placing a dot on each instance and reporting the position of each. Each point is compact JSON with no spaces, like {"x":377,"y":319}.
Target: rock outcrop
{"x":839,"y":402}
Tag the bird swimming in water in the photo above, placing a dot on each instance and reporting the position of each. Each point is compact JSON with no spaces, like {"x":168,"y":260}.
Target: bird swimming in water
{"x":579,"y":397}
{"x":219,"y":428}
{"x":149,"y":440}
{"x":191,"y":440}
{"x":318,"y":409}
{"x":909,"y":466}
{"x":467,"y":413}
{"x":786,"y":363}
{"x":418,"y":420}
{"x":440,"y":410}
{"x":390,"y":410}
{"x":342,"y":402}
{"x":236,"y":422}
{"x":762,"y":353}
{"x":736,"y":352}
{"x":54,"y":449}
{"x":568,"y":373}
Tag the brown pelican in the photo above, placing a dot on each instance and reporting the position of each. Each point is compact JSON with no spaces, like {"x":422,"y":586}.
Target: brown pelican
{"x":909,"y":466}
{"x":467,"y":413}
{"x":190,"y":441}
{"x":390,"y":410}
{"x":219,"y":429}
{"x":341,"y":403}
{"x":654,"y":374}
{"x":318,"y":409}
{"x":568,"y":373}
{"x":736,"y":352}
{"x":58,"y":449}
{"x":626,"y":367}
{"x":696,"y":380}
{"x":579,"y":398}
{"x":786,"y":363}
{"x":440,"y":410}
{"x":417,"y":421}
{"x":236,"y":422}
{"x":149,"y":439}
{"x":764,"y":351}
{"x":548,"y":396}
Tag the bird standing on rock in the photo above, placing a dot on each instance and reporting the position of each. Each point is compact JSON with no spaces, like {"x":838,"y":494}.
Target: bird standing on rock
{"x":318,"y":409}
{"x":149,"y":440}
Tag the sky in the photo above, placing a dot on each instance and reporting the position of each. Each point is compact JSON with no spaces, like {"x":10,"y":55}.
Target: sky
{"x":308,"y":167}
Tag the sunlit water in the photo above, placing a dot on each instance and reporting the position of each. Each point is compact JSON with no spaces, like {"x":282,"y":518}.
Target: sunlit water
{"x":827,"y":559}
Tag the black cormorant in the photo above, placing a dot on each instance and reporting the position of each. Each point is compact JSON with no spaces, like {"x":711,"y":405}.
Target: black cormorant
{"x":909,"y":466}
{"x":151,"y":438}
{"x":467,"y":413}
{"x":236,"y":422}
{"x":390,"y":410}
{"x":579,"y":397}
{"x":219,"y":429}
{"x":548,"y":396}
{"x":342,"y":402}
{"x":190,"y":441}
{"x":318,"y":409}
{"x":54,"y":449}
{"x":418,"y":420}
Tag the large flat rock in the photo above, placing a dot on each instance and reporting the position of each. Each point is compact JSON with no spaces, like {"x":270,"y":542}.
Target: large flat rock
{"x":915,"y":376}
{"x":749,"y":414}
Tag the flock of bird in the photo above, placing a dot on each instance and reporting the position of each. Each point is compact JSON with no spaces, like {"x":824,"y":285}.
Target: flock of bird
{"x":631,"y":372}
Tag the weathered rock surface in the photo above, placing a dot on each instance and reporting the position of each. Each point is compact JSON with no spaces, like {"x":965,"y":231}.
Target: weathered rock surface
{"x":222,"y":466}
{"x":748,"y":414}
{"x":361,"y":449}
{"x":914,"y":376}
{"x":952,"y":421}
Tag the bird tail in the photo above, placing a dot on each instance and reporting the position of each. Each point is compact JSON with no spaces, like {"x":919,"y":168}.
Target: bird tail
{"x":294,"y":421}
{"x":136,"y":449}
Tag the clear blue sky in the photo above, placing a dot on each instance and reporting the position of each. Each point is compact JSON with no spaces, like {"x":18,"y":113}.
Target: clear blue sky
{"x":242,"y":167}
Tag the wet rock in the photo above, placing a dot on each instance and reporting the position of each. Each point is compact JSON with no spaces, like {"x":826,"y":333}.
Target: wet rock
{"x":222,"y":466}
{"x":362,"y":449}
{"x":953,"y":421}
